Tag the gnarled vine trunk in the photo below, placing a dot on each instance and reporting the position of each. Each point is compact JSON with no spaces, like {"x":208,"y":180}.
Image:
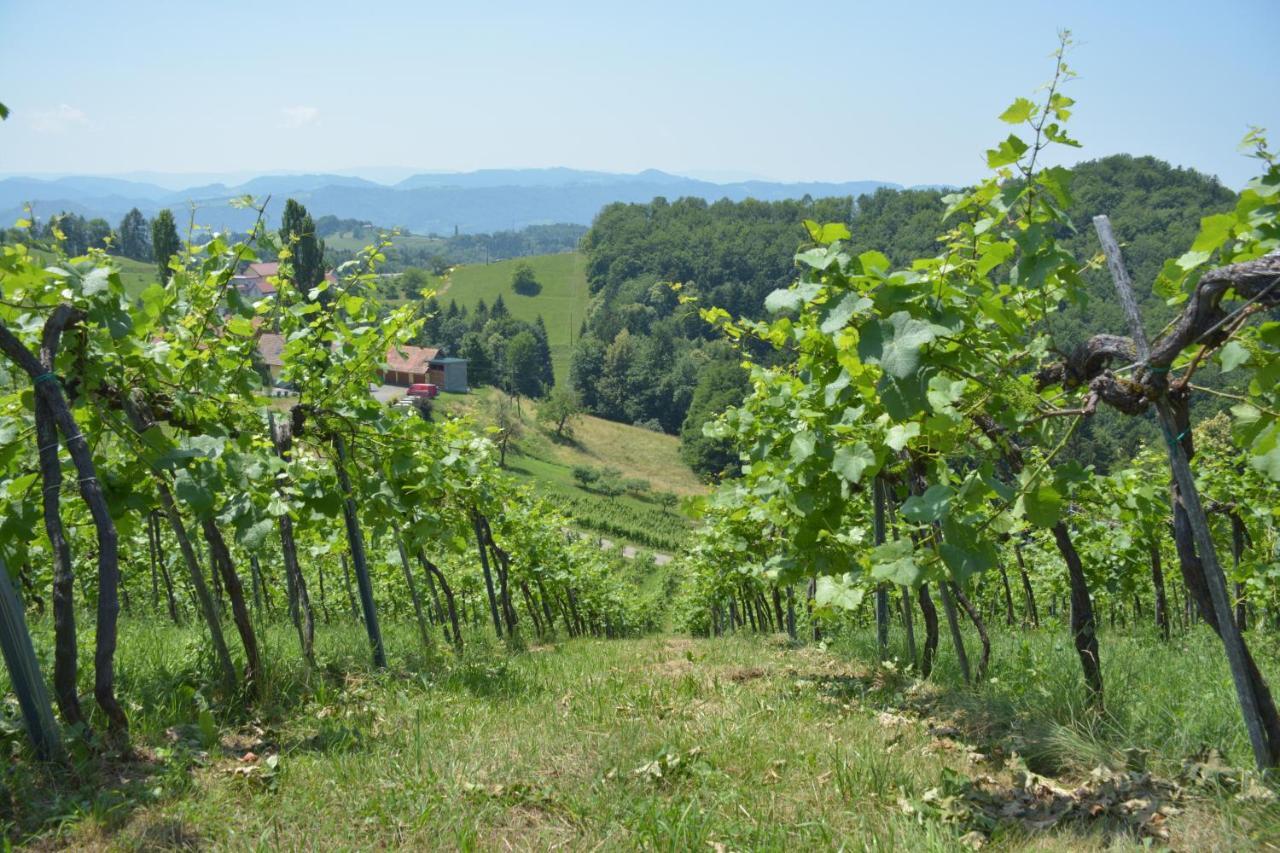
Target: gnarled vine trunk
{"x":220,"y":556}
{"x":296,"y":584}
{"x":1162,"y":601}
{"x":433,"y":569}
{"x":930,"y":615}
{"x":48,"y":389}
{"x":481,"y":543}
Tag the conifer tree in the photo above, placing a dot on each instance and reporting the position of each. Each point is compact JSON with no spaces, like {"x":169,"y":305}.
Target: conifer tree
{"x":135,"y":239}
{"x":164,"y":242}
{"x":298,"y":233}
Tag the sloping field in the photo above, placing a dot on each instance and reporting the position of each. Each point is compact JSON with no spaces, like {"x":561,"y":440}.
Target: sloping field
{"x":562,"y":302}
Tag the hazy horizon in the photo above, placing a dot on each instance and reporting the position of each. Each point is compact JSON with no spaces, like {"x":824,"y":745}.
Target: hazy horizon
{"x":905,"y":95}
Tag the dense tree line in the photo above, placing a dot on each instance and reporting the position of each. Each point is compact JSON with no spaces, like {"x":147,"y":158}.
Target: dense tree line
{"x":438,"y":253}
{"x":643,"y":355}
{"x":77,"y":235}
{"x":512,"y":354}
{"x":640,"y":356}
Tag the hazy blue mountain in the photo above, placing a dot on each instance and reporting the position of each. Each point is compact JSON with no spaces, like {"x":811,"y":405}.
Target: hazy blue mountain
{"x":482,"y":201}
{"x":83,"y":189}
{"x":554,"y":177}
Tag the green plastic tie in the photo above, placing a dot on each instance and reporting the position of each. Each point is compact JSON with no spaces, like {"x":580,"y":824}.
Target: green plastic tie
{"x":45,"y":377}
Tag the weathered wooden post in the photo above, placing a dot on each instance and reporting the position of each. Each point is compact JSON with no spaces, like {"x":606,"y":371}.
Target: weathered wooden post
{"x":1189,"y":496}
{"x":24,"y":672}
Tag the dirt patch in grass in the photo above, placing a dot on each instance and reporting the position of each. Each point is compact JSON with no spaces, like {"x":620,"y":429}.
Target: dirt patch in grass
{"x":679,"y":646}
{"x":157,"y":832}
{"x":745,"y":673}
{"x":671,"y":668}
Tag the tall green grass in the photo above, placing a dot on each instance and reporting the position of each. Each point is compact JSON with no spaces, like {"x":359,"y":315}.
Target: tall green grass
{"x":668,"y":743}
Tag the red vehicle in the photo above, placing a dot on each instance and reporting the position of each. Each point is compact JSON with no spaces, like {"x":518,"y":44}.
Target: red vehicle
{"x":423,"y":389}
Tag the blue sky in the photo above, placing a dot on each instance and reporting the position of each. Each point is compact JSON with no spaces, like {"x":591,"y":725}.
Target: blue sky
{"x":904,"y":92}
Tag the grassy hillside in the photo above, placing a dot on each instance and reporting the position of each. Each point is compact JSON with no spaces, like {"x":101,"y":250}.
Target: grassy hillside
{"x":661,"y":743}
{"x":634,"y":452}
{"x":136,"y":275}
{"x":562,"y":301}
{"x":345,"y":240}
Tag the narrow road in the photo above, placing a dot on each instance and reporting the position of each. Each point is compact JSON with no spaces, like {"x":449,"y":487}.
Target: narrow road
{"x":631,"y":552}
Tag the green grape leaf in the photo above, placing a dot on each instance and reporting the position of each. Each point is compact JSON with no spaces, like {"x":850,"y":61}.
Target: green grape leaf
{"x":895,"y":562}
{"x":851,"y":462}
{"x":193,"y":493}
{"x":903,"y":399}
{"x":943,"y":392}
{"x":900,"y":434}
{"x":840,"y":313}
{"x":828,"y":232}
{"x":874,"y":262}
{"x":255,"y":535}
{"x":790,"y":298}
{"x":1232,"y":356}
{"x":903,"y":338}
{"x":837,"y":592}
{"x":931,"y":506}
{"x":1018,"y":112}
{"x":964,"y":554}
{"x":1041,"y":504}
{"x":1006,"y":152}
{"x":1214,"y":231}
{"x":802,"y":445}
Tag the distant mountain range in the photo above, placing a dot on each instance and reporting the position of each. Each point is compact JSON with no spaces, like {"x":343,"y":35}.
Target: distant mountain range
{"x":472,"y":202}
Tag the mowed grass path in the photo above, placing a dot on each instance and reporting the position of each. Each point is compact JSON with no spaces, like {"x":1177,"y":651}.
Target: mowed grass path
{"x":562,"y":301}
{"x":663,"y":743}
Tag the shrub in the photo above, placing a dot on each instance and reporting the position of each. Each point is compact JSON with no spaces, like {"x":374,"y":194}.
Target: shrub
{"x":636,"y":486}
{"x":609,"y":487}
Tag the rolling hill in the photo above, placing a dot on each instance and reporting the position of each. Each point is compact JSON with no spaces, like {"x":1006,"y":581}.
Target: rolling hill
{"x":562,"y":302}
{"x":539,"y":458}
{"x":440,"y":203}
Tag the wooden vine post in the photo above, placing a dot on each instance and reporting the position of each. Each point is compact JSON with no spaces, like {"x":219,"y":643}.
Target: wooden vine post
{"x":1189,"y":497}
{"x":24,"y":672}
{"x":882,"y":589}
{"x":356,"y":541}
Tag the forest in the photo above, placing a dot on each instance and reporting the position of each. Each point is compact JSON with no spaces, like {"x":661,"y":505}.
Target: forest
{"x":990,"y":555}
{"x":655,"y":372}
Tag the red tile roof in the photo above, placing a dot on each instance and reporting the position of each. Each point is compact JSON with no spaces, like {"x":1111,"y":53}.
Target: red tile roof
{"x":407,"y":360}
{"x":410,"y":359}
{"x":263,"y":269}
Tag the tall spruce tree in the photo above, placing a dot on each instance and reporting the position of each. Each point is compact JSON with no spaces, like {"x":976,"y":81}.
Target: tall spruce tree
{"x":298,"y":233}
{"x":135,"y":239}
{"x":545,"y":374}
{"x":164,"y":242}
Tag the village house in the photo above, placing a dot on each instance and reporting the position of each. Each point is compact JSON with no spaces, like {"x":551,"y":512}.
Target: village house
{"x":254,"y":281}
{"x":404,"y":366}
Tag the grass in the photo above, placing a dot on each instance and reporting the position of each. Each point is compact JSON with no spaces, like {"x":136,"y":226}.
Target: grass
{"x":659,"y":743}
{"x":562,"y":302}
{"x":136,"y":276}
{"x":1172,"y":700}
{"x":416,"y":242}
{"x":638,"y":453}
